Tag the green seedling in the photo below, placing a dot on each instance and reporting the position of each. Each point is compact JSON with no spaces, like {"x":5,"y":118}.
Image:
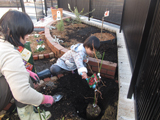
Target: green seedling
{"x":60,"y":25}
{"x":98,"y":54}
{"x":43,"y":115}
{"x":67,"y":20}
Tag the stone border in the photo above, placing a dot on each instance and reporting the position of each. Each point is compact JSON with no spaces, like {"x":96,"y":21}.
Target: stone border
{"x":43,"y":56}
{"x":108,"y":68}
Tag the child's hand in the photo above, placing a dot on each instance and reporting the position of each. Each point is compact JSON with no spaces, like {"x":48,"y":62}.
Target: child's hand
{"x":84,"y":75}
{"x":86,"y":60}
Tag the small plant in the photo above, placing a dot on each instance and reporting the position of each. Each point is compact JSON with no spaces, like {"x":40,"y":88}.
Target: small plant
{"x":95,"y":79}
{"x":93,"y":110}
{"x":40,"y":48}
{"x":60,"y":119}
{"x":36,"y":35}
{"x":67,"y":20}
{"x":98,"y":54}
{"x":43,"y":115}
{"x":55,"y":39}
{"x":56,"y":6}
{"x":60,"y":25}
{"x":40,"y":42}
{"x":78,"y":14}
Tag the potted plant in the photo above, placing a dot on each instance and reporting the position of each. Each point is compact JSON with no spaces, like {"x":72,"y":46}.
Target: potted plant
{"x":93,"y":110}
{"x":56,"y":12}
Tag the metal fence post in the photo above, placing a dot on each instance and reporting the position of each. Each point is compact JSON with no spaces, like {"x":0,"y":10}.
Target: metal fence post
{"x":22,"y":5}
{"x":89,"y":15}
{"x":122,"y":15}
{"x":52,"y":3}
{"x":58,"y":3}
{"x":45,"y":5}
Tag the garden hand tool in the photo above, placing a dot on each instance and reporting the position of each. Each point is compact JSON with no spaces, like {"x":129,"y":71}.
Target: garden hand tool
{"x":34,"y":77}
{"x":57,"y":97}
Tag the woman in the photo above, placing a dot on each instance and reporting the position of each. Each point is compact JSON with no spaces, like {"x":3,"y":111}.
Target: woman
{"x":14,"y":78}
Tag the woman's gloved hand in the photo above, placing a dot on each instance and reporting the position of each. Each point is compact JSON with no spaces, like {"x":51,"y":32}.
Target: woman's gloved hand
{"x":47,"y":100}
{"x":34,"y":77}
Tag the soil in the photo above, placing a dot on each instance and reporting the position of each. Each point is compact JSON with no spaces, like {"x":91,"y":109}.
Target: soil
{"x":78,"y":33}
{"x":77,"y":95}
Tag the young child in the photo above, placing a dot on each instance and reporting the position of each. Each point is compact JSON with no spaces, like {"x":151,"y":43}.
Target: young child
{"x":75,"y":58}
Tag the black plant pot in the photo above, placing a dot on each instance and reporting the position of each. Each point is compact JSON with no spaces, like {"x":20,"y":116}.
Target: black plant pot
{"x":92,"y":112}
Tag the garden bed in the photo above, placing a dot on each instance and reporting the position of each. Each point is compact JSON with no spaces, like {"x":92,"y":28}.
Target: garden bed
{"x":77,"y":95}
{"x":38,"y":39}
{"x":74,"y":33}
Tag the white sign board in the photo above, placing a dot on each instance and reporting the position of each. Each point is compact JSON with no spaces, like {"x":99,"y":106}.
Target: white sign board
{"x":106,"y":14}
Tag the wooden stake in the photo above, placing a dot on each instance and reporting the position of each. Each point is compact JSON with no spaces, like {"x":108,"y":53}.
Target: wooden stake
{"x":102,"y":27}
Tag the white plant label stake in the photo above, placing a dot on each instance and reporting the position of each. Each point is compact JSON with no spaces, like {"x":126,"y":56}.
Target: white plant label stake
{"x":58,"y":15}
{"x":106,"y":14}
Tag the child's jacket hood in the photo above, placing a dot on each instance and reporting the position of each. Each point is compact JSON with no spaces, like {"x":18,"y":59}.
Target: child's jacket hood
{"x":78,"y":47}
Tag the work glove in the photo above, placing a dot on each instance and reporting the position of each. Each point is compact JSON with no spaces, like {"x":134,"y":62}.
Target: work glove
{"x":34,"y":77}
{"x":69,"y":64}
{"x":49,"y":100}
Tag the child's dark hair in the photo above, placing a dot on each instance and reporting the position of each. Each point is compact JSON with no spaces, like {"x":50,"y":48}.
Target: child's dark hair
{"x":15,"y":24}
{"x":90,"y":41}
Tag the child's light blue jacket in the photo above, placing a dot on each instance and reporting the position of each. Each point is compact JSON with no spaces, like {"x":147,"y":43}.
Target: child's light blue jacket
{"x":73,"y":59}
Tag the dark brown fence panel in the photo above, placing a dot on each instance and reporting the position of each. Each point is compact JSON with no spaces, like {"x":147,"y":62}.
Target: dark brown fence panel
{"x":148,"y":85}
{"x":50,"y":3}
{"x":64,"y":4}
{"x":80,"y":4}
{"x":134,"y":18}
{"x":115,"y":8}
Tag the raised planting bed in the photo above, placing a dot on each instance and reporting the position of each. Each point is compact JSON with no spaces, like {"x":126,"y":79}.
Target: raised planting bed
{"x":39,"y":47}
{"x":79,"y":33}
